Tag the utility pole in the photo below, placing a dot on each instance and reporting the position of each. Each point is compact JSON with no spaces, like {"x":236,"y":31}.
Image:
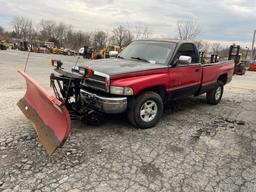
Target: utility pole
{"x":253,"y":41}
{"x":246,"y":55}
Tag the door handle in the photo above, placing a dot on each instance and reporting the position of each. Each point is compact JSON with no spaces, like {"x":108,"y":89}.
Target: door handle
{"x":197,"y":70}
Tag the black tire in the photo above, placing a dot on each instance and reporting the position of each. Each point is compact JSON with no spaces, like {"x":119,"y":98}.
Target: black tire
{"x":214,"y":96}
{"x":136,"y":105}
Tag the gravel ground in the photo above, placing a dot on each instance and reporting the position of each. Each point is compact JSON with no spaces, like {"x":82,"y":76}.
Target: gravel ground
{"x":195,"y":147}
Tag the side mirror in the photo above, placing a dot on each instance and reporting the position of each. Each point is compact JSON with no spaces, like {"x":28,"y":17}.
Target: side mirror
{"x":184,"y":60}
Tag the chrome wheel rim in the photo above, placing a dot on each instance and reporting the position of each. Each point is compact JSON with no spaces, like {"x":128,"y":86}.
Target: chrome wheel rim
{"x":218,"y":93}
{"x":148,"y":111}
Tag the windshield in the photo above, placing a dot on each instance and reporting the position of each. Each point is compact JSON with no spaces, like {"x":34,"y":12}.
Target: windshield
{"x":151,"y":52}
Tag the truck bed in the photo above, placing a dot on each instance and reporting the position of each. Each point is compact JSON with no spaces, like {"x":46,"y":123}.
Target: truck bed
{"x":211,"y":72}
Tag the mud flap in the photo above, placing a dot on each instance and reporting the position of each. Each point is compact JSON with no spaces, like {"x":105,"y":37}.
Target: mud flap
{"x":49,"y":116}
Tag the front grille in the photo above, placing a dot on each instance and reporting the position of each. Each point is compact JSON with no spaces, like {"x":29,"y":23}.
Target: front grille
{"x":96,"y":82}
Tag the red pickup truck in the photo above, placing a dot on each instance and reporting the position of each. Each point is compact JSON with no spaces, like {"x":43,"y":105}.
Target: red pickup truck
{"x":138,"y":82}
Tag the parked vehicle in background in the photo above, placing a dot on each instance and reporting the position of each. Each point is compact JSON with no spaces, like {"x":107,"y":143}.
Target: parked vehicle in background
{"x":23,"y":46}
{"x":54,"y":50}
{"x":68,"y":52}
{"x":81,"y":51}
{"x":42,"y":50}
{"x":86,"y":52}
{"x":252,"y":66}
{"x":91,"y":53}
{"x":49,"y":44}
{"x":112,"y":51}
{"x":3,"y":46}
{"x":236,"y":54}
{"x":145,"y":75}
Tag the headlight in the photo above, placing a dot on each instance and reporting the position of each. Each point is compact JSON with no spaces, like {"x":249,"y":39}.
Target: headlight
{"x":121,"y":90}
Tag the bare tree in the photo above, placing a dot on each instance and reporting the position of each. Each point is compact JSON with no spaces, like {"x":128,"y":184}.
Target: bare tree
{"x":128,"y":38}
{"x":99,"y":40}
{"x":188,"y":30}
{"x":60,"y":32}
{"x":76,"y":40}
{"x":17,"y":25}
{"x":1,"y":30}
{"x":47,"y":29}
{"x":84,"y":39}
{"x":202,"y":46}
{"x":141,"y":32}
{"x":63,"y":35}
{"x":122,"y":36}
{"x":216,"y":47}
{"x":70,"y":40}
{"x":23,"y":28}
{"x":51,"y":31}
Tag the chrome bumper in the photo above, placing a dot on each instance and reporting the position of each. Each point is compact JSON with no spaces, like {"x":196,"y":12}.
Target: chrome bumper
{"x":106,"y":104}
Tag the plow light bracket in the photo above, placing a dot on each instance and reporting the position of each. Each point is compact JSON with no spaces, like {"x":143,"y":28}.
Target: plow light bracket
{"x":89,"y":72}
{"x":86,"y":72}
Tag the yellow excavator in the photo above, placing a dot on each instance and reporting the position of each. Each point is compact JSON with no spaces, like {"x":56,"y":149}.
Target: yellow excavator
{"x":236,"y":55}
{"x":54,"y":50}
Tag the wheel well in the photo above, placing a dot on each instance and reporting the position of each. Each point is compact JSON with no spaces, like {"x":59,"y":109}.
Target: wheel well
{"x":158,"y":89}
{"x":223,"y":78}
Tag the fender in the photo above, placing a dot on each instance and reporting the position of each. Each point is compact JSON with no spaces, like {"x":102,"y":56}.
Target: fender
{"x":140,"y":83}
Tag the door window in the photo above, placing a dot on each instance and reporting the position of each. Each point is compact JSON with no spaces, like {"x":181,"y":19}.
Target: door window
{"x":187,"y":49}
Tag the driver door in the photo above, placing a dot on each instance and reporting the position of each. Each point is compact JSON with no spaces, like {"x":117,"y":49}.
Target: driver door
{"x":185,"y":79}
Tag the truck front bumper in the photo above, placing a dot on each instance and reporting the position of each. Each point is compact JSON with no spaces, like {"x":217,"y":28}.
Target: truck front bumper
{"x":107,"y":105}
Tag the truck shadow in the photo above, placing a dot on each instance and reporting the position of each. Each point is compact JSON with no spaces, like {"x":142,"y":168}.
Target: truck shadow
{"x":183,"y":104}
{"x":120,"y":120}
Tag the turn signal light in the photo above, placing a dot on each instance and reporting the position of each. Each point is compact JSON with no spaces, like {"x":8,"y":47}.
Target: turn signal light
{"x":89,"y":73}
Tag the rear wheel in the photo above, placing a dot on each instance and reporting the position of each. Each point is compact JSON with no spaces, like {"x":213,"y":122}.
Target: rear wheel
{"x":214,"y":96}
{"x":145,"y":111}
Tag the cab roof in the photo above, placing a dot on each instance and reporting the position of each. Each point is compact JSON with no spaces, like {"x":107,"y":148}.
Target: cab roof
{"x":167,"y":40}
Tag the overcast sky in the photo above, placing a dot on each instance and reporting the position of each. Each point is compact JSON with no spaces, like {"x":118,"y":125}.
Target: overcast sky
{"x":229,"y":20}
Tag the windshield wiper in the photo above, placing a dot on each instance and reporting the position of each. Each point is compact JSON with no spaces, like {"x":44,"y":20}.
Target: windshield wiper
{"x":141,"y":59}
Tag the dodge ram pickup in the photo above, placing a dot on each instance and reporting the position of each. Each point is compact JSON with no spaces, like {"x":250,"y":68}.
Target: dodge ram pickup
{"x":138,"y":82}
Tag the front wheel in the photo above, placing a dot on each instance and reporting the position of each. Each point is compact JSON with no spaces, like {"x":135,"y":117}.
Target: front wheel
{"x":145,"y":111}
{"x":214,"y":96}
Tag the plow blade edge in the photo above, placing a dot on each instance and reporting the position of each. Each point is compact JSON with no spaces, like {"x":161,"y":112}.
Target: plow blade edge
{"x":49,"y":116}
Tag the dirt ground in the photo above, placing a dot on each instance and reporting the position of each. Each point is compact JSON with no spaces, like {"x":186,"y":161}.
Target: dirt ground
{"x":195,"y":147}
